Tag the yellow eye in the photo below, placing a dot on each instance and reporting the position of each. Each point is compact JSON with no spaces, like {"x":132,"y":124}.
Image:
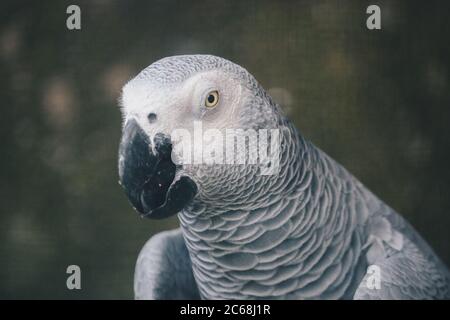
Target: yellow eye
{"x":212,"y":99}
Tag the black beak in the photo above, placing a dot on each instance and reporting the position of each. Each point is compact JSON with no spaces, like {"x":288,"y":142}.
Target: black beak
{"x":147,"y":176}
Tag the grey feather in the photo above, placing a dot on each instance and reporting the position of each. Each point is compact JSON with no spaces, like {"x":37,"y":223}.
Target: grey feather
{"x":163,"y":269}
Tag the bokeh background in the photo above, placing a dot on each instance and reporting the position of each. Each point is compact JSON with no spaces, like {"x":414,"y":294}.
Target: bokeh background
{"x":376,"y":101}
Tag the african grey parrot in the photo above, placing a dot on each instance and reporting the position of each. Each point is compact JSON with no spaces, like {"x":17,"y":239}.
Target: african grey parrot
{"x":309,"y":231}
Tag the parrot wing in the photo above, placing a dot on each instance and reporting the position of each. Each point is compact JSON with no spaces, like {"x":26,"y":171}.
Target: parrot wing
{"x":405,"y":275}
{"x":163,"y":269}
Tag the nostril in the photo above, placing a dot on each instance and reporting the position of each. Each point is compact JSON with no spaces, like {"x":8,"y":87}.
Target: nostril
{"x":151,"y":117}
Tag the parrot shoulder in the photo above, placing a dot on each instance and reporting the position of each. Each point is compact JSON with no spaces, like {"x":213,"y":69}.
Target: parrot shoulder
{"x":163,"y":269}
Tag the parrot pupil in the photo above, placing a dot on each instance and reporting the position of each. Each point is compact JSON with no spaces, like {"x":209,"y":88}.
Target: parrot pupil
{"x":211,"y":98}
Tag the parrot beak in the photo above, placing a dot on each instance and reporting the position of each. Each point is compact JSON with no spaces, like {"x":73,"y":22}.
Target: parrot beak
{"x":147,"y":176}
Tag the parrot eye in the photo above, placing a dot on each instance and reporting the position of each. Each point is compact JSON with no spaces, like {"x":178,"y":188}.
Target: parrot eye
{"x":212,"y":99}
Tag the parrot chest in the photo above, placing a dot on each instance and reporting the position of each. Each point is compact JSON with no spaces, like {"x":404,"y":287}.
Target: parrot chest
{"x":283,"y":257}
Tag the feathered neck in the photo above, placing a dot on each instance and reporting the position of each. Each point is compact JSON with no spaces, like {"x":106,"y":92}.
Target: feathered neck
{"x":301,"y":240}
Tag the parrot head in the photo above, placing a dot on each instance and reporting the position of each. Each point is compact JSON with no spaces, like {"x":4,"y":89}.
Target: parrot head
{"x":178,"y":114}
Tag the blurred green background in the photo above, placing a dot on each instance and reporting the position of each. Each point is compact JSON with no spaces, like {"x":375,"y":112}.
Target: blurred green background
{"x":376,"y":101}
